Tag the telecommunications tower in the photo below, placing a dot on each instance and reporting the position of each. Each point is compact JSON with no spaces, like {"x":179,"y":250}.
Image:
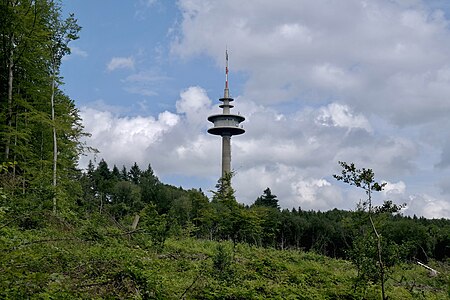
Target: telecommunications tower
{"x":226,"y":124}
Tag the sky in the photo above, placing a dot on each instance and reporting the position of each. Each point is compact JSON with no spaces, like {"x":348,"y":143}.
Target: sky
{"x":318,"y":81}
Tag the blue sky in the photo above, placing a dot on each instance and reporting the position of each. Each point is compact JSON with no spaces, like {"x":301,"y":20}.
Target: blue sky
{"x":142,"y":31}
{"x":318,"y":81}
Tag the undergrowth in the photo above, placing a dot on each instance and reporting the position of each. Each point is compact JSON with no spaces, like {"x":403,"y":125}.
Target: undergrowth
{"x":98,"y":259}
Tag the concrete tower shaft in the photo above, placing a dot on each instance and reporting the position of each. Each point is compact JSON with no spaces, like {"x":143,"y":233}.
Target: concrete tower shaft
{"x":226,"y":154}
{"x":226,"y":124}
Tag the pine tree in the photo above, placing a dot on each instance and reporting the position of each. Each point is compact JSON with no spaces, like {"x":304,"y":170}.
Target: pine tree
{"x":124,"y":174}
{"x":135,"y":174}
{"x":267,"y":199}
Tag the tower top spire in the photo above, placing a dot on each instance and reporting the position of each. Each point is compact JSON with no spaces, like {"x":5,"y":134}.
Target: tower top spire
{"x":226,"y":92}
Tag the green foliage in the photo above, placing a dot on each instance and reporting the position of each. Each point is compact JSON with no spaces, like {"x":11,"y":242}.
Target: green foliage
{"x":223,"y":262}
{"x":267,"y":199}
{"x":97,"y":258}
{"x":362,"y":178}
{"x":372,"y":254}
{"x":125,"y":198}
{"x":33,"y":109}
{"x":154,"y":225}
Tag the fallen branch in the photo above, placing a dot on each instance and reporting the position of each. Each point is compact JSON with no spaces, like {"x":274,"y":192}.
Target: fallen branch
{"x":40,"y":242}
{"x":433,"y":272}
{"x":189,"y":287}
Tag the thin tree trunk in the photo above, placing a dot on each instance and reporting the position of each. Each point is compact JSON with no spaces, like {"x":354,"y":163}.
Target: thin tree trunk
{"x":15,"y":146}
{"x":10,"y":97}
{"x":379,"y":249}
{"x":101,"y":202}
{"x":55,"y":145}
{"x":380,"y":260}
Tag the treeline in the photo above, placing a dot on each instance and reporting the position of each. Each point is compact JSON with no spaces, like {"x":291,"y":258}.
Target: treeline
{"x":125,"y":193}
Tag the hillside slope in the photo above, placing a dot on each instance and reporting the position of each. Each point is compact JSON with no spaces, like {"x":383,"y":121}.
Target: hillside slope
{"x":97,"y":259}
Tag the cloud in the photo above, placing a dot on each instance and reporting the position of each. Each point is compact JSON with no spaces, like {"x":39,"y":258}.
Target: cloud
{"x":376,"y":57}
{"x":445,"y":155}
{"x":341,"y":115}
{"x":74,"y":50}
{"x":427,"y":206}
{"x":194,"y":104}
{"x":120,"y":63}
{"x":173,"y":143}
{"x":123,"y":140}
{"x":144,"y":83}
{"x":288,"y":184}
{"x":394,"y":188}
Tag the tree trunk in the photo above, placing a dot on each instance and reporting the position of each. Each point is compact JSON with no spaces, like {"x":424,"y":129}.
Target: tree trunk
{"x":10,"y":97}
{"x":135,"y":222}
{"x":379,"y":249}
{"x":55,"y":145}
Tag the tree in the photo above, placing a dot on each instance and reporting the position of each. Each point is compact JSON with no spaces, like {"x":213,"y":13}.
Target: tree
{"x":102,"y":179}
{"x":267,"y":199}
{"x":155,"y":225}
{"x":233,"y":220}
{"x":125,"y":199}
{"x":365,"y":179}
{"x":115,"y":173}
{"x":201,"y":213}
{"x":135,"y":174}
{"x":124,"y":174}
{"x":62,"y":32}
{"x":149,"y":184}
{"x":18,"y":25}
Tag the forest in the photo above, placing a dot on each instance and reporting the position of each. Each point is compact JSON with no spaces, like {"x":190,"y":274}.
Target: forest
{"x":120,"y":233}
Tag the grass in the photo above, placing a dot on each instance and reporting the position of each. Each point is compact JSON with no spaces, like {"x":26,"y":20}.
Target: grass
{"x":88,"y":262}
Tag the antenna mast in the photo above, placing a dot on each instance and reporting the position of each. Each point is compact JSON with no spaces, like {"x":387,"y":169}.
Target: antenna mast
{"x":226,"y":91}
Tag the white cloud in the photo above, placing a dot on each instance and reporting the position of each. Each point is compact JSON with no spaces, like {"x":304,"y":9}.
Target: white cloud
{"x":124,"y":140}
{"x":341,"y":115}
{"x":427,"y":206}
{"x":193,"y":101}
{"x":307,"y":190}
{"x":78,"y":51}
{"x":173,"y":143}
{"x":120,"y":63}
{"x":394,"y":189}
{"x":329,"y":76}
{"x":288,"y":184}
{"x":375,"y":56}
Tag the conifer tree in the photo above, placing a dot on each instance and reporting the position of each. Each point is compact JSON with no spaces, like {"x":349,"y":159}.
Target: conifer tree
{"x":267,"y":199}
{"x":135,"y":173}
